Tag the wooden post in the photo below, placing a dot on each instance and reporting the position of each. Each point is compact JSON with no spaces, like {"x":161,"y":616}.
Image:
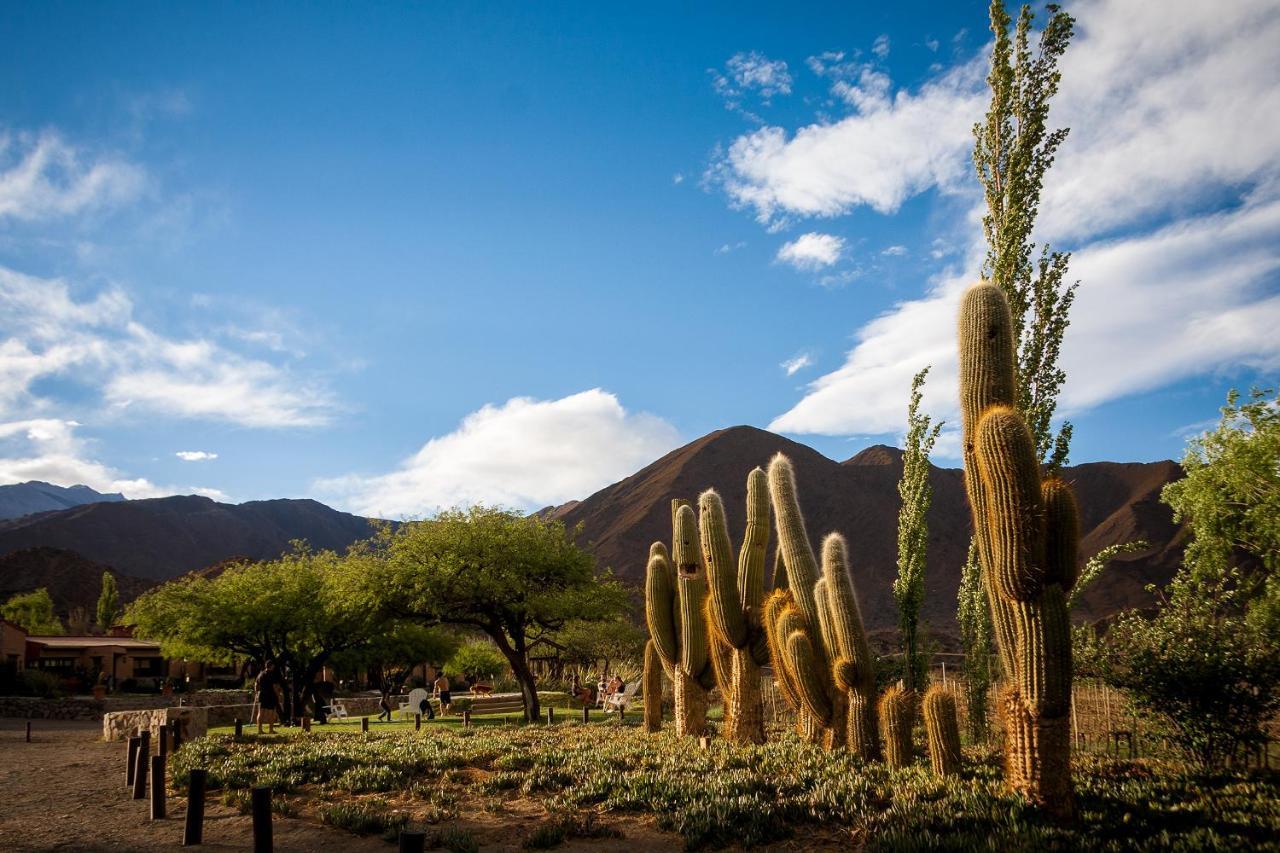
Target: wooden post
{"x":140,"y":766}
{"x":466,"y":719}
{"x":586,"y":715}
{"x":175,"y":735}
{"x":239,"y":729}
{"x":705,"y":741}
{"x":162,"y":740}
{"x":261,"y":807}
{"x":157,"y":787}
{"x":364,"y":724}
{"x":551,"y":716}
{"x":28,"y":731}
{"x":193,"y":832}
{"x":413,"y":841}
{"x":306,"y":724}
{"x":132,"y":760}
{"x":417,"y":725}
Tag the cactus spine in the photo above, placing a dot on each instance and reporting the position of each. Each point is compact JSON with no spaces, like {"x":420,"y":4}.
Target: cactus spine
{"x":897,"y":717}
{"x":821,"y":657}
{"x":943,"y":730}
{"x":652,"y":688}
{"x":675,"y":596}
{"x":734,"y":604}
{"x":1027,"y":533}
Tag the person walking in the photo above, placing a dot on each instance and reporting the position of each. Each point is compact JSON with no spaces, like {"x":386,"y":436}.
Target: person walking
{"x":267,"y":697}
{"x":442,"y":693}
{"x":385,"y":703}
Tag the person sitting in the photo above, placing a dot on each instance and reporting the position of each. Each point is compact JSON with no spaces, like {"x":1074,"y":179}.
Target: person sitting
{"x":616,"y":684}
{"x":580,"y":691}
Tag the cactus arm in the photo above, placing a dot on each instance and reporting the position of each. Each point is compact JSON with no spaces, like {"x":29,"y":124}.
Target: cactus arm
{"x":1005,"y":453}
{"x":659,"y":594}
{"x":755,"y":543}
{"x":693,"y":591}
{"x":825,"y":630}
{"x":802,"y":660}
{"x":724,"y":606}
{"x":779,"y":579}
{"x":774,"y":606}
{"x":652,"y":688}
{"x":1062,"y":533}
{"x":793,"y":539}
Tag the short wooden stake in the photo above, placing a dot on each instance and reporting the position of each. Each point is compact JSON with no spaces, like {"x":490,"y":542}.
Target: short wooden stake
{"x":586,"y":715}
{"x":261,"y":806}
{"x":157,"y":787}
{"x":140,"y":766}
{"x":417,"y":722}
{"x":239,"y":729}
{"x":306,"y":724}
{"x":364,"y":724}
{"x":705,"y":741}
{"x":193,"y":831}
{"x":551,"y":716}
{"x":131,"y":762}
{"x":413,"y":841}
{"x":28,"y":731}
{"x":162,"y":740}
{"x":175,"y":734}
{"x":466,"y":719}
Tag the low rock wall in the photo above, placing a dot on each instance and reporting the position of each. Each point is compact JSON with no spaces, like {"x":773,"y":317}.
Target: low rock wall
{"x":35,"y":708}
{"x":120,"y":725}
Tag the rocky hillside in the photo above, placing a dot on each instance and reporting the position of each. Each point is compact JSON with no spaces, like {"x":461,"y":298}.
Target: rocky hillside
{"x":858,"y":497}
{"x":72,"y":580}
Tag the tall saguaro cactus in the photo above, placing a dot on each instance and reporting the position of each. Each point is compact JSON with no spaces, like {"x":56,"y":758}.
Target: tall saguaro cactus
{"x":1027,"y":531}
{"x":821,"y":657}
{"x":734,"y":605}
{"x":675,"y":597}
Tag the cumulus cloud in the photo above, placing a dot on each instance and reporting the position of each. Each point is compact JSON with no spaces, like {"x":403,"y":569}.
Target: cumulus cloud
{"x":812,"y":251}
{"x":881,"y":46}
{"x":796,"y":363}
{"x":42,"y":177}
{"x":97,"y":341}
{"x":524,"y":453}
{"x":750,"y":74}
{"x":895,"y":251}
{"x":1176,"y":238}
{"x":48,"y":449}
{"x":195,"y":455}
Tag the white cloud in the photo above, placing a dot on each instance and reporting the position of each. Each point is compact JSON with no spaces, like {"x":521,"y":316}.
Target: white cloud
{"x":525,"y":453}
{"x":895,"y":251}
{"x":42,"y":177}
{"x":881,"y":46}
{"x":1173,"y":284}
{"x":812,"y":251}
{"x":726,"y":248}
{"x":751,"y":74}
{"x":677,"y":178}
{"x":796,"y":363}
{"x":97,"y":342}
{"x":195,"y":455}
{"x":48,"y":449}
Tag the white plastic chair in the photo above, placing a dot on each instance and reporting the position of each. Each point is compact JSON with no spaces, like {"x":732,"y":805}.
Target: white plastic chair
{"x":619,"y":701}
{"x":413,"y":705}
{"x":337,"y":710}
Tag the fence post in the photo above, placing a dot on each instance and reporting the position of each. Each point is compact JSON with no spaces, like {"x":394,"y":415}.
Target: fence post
{"x":586,"y":715}
{"x":417,"y":722}
{"x":239,"y":729}
{"x":413,"y":841}
{"x":162,"y":740}
{"x":140,"y":765}
{"x":193,"y":832}
{"x":131,"y":760}
{"x":175,"y":734}
{"x":364,"y":724}
{"x":551,"y":716}
{"x":466,"y":719}
{"x":157,"y":787}
{"x":261,"y":805}
{"x":306,"y":724}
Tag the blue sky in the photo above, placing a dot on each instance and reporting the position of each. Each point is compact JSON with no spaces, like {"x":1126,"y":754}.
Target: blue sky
{"x":400,"y":257}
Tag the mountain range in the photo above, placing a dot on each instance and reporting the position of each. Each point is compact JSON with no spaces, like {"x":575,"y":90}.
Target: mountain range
{"x":149,"y":541}
{"x":34,"y":496}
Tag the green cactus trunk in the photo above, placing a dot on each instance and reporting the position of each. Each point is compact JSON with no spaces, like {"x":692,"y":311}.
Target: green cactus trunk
{"x":897,"y":717}
{"x":691,"y":705}
{"x":943,"y":730}
{"x":744,"y":720}
{"x":652,"y":688}
{"x":1027,"y":532}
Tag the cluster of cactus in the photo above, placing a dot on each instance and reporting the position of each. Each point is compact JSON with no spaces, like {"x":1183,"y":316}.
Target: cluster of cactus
{"x":675,"y":596}
{"x":735,"y":598}
{"x":1028,"y":534}
{"x":820,"y":655}
{"x":942,"y":730}
{"x":897,"y":719}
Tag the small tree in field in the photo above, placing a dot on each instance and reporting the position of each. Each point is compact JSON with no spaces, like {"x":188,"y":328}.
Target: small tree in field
{"x":479,"y":658}
{"x":108,"y":603}
{"x":916,"y":493}
{"x":509,"y":576}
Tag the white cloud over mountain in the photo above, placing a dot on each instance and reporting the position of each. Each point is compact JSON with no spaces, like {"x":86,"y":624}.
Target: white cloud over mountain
{"x":524,"y":453}
{"x":812,"y":251}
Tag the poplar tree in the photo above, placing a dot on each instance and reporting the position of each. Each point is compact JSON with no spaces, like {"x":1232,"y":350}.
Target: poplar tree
{"x":916,"y":493}
{"x":108,"y":603}
{"x":1013,"y":149}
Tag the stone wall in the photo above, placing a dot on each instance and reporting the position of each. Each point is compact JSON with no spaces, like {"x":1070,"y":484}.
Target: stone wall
{"x":34,"y":708}
{"x":86,"y":708}
{"x":120,"y":725}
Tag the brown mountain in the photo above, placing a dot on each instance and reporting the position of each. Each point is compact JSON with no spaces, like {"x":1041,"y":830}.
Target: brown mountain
{"x":161,"y":538}
{"x":859,"y":498}
{"x":72,"y":580}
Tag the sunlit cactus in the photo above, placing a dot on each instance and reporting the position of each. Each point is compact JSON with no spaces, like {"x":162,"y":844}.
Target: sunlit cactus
{"x":897,"y":717}
{"x":652,"y":688}
{"x":942,"y":730}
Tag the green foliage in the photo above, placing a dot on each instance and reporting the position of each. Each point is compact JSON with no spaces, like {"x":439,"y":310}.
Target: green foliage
{"x":755,"y":795}
{"x":588,"y":642}
{"x":108,"y":602}
{"x":1231,"y":494}
{"x":366,"y":817}
{"x":478,"y":658}
{"x":1013,"y":148}
{"x":33,"y":612}
{"x":974,"y":617}
{"x":397,"y":649}
{"x":510,"y":576}
{"x":916,"y":493}
{"x":1200,"y":664}
{"x":1097,"y":563}
{"x":46,"y":685}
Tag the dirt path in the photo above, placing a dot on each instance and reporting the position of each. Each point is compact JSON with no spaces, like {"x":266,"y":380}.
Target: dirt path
{"x":65,"y":791}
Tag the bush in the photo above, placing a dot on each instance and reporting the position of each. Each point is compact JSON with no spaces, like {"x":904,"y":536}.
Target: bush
{"x":368,"y":817}
{"x":46,"y":685}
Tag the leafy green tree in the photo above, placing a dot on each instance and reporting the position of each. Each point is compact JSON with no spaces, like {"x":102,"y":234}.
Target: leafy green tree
{"x":916,"y":493}
{"x":391,"y":654}
{"x":508,"y":576}
{"x":974,"y":616}
{"x":296,"y":610}
{"x":1097,"y":563}
{"x":33,"y":611}
{"x":478,"y":658}
{"x":590,"y":643}
{"x":1013,"y":149}
{"x":108,"y":603}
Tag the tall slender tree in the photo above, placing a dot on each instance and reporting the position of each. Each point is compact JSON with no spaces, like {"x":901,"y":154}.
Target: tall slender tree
{"x":108,"y":603}
{"x":1013,"y":149}
{"x":916,"y":493}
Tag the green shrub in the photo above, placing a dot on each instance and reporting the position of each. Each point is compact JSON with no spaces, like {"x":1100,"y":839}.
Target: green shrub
{"x":46,"y":685}
{"x":367,"y":817}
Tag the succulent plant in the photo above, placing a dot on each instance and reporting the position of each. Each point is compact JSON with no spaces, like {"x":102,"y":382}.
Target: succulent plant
{"x":675,"y":597}
{"x":651,"y":689}
{"x":734,"y":607}
{"x":817,"y":643}
{"x":897,"y":718}
{"x":1028,"y":532}
{"x":942,"y":730}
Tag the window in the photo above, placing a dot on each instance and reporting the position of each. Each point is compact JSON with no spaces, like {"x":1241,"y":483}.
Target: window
{"x":148,"y":667}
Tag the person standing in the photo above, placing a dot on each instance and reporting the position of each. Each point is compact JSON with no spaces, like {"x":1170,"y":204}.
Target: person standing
{"x":442,"y":692}
{"x":267,"y":696}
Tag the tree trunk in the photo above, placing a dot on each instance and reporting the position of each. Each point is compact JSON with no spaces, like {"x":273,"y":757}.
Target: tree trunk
{"x":744,"y":722}
{"x":691,"y":704}
{"x":515,"y":654}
